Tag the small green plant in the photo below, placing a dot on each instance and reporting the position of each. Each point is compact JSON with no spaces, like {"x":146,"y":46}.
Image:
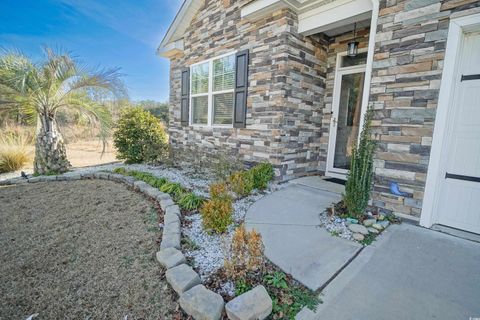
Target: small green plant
{"x":360,"y":178}
{"x":277,"y":280}
{"x":189,"y":244}
{"x":172,"y":188}
{"x":334,"y":233}
{"x":140,"y":137}
{"x":189,"y":201}
{"x":241,"y":183}
{"x":368,"y":240}
{"x":242,"y":286}
{"x":120,"y":170}
{"x":262,"y":175}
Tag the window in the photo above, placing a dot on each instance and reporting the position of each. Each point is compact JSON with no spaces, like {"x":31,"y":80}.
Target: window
{"x":212,"y":89}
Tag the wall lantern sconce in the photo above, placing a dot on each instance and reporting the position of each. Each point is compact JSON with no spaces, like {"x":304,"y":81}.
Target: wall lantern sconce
{"x":352,"y":46}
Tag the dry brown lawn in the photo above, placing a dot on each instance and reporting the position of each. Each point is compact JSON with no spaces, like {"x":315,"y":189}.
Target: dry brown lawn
{"x":80,"y":250}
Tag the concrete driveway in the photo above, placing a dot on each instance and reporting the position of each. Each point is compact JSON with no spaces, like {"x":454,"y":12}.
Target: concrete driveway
{"x":409,"y":273}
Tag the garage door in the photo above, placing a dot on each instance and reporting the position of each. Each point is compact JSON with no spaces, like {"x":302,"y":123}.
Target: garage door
{"x":459,"y":201}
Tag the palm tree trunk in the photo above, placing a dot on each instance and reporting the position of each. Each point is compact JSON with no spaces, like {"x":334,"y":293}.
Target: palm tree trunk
{"x":50,"y":153}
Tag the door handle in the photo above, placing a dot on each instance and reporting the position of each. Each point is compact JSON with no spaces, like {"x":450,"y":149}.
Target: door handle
{"x":461,"y":177}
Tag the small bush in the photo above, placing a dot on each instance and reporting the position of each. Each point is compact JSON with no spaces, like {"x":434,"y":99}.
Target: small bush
{"x":262,"y":175}
{"x":241,"y":183}
{"x":219,"y":190}
{"x":13,"y":153}
{"x":246,"y":254}
{"x":140,"y":137}
{"x":217,"y":214}
{"x":190,"y":201}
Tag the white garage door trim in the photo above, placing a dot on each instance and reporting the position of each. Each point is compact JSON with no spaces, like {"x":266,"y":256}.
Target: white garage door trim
{"x":456,"y":32}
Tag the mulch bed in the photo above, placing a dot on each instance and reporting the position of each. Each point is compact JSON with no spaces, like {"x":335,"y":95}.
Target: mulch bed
{"x":81,"y":250}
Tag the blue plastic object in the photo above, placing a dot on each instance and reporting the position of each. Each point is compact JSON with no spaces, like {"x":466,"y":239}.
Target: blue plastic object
{"x":395,"y":189}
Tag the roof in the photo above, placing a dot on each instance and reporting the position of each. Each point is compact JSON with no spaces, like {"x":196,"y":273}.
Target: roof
{"x":178,"y":27}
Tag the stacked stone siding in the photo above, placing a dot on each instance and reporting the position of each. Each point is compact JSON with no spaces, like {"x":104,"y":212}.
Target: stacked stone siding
{"x":290,"y":90}
{"x":407,"y":70}
{"x":285,"y":92}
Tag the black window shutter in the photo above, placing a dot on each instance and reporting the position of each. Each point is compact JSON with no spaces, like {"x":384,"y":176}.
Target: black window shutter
{"x":185,"y":100}
{"x":241,"y":85}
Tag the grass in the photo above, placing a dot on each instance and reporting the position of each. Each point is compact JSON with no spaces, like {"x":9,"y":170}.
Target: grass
{"x":98,"y":259}
{"x":13,"y":152}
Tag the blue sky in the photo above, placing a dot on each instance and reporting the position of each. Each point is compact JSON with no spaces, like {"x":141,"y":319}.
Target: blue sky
{"x":105,"y":33}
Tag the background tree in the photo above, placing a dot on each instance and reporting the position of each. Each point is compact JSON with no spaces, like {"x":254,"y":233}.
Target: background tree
{"x":158,"y":109}
{"x":40,"y":90}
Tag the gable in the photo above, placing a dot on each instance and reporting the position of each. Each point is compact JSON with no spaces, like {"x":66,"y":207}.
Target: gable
{"x":172,"y":42}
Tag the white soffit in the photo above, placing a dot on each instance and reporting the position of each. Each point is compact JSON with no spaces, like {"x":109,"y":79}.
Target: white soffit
{"x":334,"y":15}
{"x":314,"y":15}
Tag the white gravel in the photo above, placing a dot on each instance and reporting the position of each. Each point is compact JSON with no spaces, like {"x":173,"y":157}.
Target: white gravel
{"x":213,"y":248}
{"x":336,"y":226}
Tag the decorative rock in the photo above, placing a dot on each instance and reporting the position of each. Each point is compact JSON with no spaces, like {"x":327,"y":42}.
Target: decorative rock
{"x":170,"y":218}
{"x":377,"y":226}
{"x":36,"y":179}
{"x":182,"y":278}
{"x":170,"y":240}
{"x":162,"y":196}
{"x":252,"y":305}
{"x":358,"y":236}
{"x":369,"y":222}
{"x":140,"y":185}
{"x":381,"y":217}
{"x":373,"y":230}
{"x":384,"y":224}
{"x":171,"y":228}
{"x":101,"y":175}
{"x":173,"y":209}
{"x":164,"y":203}
{"x":351,"y":220}
{"x":201,"y":303}
{"x":170,"y":257}
{"x":358,"y":228}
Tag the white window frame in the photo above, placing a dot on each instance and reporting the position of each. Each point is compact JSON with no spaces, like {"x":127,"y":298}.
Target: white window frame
{"x":210,"y":94}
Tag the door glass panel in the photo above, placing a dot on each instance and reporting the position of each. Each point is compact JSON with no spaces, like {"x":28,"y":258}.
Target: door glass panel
{"x":348,"y":120}
{"x":359,"y":59}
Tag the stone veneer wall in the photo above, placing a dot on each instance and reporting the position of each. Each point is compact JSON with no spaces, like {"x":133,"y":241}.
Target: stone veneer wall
{"x":407,"y":70}
{"x":285,"y":93}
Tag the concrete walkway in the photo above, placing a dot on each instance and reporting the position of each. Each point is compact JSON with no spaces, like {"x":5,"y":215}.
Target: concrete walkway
{"x":409,"y":273}
{"x":288,"y":221}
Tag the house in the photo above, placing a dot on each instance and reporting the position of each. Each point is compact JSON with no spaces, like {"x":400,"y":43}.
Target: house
{"x":289,"y":82}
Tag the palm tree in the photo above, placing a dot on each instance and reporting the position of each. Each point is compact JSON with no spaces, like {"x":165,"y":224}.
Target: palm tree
{"x":41,"y":90}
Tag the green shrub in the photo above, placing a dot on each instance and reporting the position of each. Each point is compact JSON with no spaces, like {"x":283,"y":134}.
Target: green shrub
{"x":360,"y":178}
{"x":241,"y":183}
{"x":189,"y":201}
{"x":139,"y":137}
{"x":217,"y":214}
{"x":262,"y":175}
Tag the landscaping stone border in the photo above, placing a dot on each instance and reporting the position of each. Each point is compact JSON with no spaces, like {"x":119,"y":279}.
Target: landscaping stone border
{"x":196,"y":300}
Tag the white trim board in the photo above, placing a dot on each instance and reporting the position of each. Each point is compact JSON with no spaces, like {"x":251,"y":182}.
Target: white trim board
{"x":457,"y":28}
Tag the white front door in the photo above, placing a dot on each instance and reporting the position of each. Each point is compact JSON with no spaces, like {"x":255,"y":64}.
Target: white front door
{"x":458,"y":203}
{"x":346,"y":112}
